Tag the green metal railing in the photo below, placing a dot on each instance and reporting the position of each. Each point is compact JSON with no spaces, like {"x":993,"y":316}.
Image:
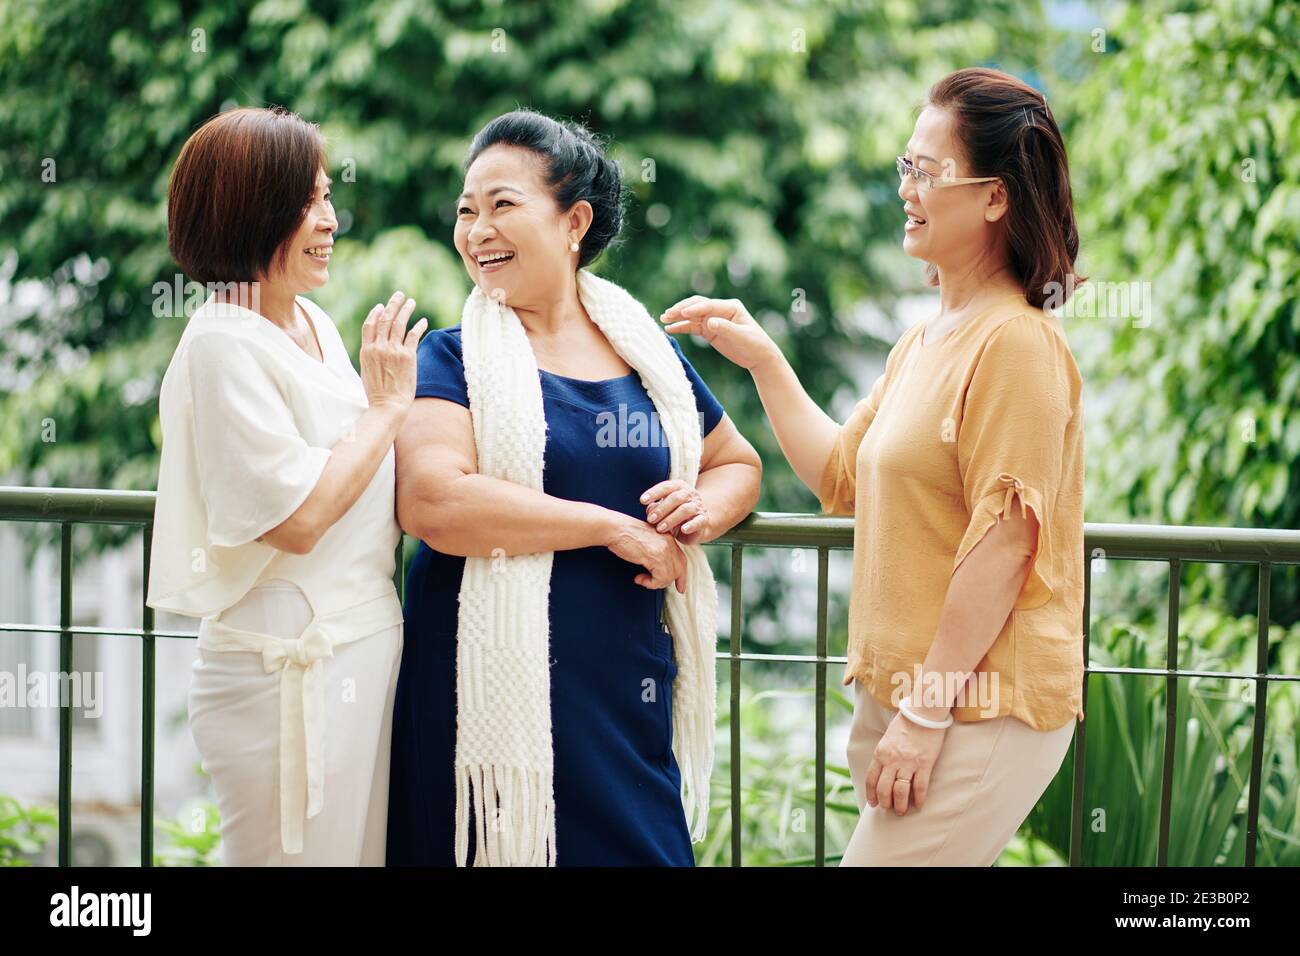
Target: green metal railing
{"x":1174,"y":545}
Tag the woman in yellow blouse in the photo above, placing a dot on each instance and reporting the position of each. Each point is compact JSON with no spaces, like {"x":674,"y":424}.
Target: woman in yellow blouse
{"x":963,"y":469}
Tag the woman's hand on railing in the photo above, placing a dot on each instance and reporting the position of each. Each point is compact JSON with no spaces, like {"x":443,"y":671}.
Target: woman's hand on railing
{"x":676,"y":508}
{"x":726,"y":325}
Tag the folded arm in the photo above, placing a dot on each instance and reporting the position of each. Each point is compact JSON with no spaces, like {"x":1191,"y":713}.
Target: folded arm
{"x":446,"y":503}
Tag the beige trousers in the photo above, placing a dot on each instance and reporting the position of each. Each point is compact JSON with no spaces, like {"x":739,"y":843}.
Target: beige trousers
{"x":989,"y":776}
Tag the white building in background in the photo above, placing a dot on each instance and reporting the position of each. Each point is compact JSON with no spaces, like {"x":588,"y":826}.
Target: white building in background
{"x":106,"y":746}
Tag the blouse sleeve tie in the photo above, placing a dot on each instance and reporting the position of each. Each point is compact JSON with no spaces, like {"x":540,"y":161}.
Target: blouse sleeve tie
{"x":1015,"y":487}
{"x":996,"y":504}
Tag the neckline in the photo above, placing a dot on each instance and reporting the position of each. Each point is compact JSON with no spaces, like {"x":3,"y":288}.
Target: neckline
{"x":992,"y":306}
{"x":320,"y":346}
{"x":569,"y":378}
{"x":586,"y":381}
{"x":280,"y":334}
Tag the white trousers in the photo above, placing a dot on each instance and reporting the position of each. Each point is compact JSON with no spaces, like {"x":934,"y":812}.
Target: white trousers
{"x":234,"y":710}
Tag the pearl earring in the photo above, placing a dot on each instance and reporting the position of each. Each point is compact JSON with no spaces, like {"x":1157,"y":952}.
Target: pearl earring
{"x":573,"y":247}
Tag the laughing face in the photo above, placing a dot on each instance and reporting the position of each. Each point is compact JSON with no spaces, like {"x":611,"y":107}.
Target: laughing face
{"x":953,"y":225}
{"x":306,"y":260}
{"x":510,"y":234}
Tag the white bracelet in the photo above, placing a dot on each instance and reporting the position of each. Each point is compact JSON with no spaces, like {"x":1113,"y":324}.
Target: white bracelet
{"x":905,"y":708}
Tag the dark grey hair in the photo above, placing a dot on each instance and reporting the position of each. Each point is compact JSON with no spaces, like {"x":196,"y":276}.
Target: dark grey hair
{"x":576,"y":168}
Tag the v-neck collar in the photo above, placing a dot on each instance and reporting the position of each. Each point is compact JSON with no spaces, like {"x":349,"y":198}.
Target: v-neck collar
{"x":281,"y":337}
{"x":320,"y":344}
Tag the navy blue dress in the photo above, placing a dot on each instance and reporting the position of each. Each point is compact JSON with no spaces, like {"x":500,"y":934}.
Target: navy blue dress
{"x":617,"y":783}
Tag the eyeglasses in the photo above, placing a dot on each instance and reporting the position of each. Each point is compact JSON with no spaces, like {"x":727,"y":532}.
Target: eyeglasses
{"x":928,"y":181}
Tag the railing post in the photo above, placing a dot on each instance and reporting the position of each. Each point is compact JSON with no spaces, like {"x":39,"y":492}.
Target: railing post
{"x":819,"y":850}
{"x":1081,"y":728}
{"x":1261,"y":713}
{"x":737,"y":621}
{"x":148,"y":704}
{"x":1171,"y":710}
{"x":65,"y":704}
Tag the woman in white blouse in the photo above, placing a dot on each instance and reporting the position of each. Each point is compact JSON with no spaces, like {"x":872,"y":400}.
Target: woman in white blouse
{"x":275,"y":519}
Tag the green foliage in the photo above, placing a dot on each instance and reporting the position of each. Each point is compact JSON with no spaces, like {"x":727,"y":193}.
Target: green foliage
{"x":193,"y":838}
{"x":1185,"y":148}
{"x":24,"y":831}
{"x":1213,"y":730}
{"x":778,"y":784}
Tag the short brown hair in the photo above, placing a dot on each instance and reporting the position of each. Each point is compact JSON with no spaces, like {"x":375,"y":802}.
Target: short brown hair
{"x":239,"y":190}
{"x":1007,"y":130}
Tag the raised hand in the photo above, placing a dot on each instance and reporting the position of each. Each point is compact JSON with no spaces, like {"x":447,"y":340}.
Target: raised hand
{"x":727,"y":325}
{"x":388,"y":352}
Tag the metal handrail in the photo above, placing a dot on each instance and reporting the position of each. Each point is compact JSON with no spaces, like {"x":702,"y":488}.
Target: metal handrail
{"x":1175,"y":545}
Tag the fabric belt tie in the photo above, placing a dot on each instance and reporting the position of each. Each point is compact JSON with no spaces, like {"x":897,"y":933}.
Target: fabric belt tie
{"x":302,"y":715}
{"x":302,"y":728}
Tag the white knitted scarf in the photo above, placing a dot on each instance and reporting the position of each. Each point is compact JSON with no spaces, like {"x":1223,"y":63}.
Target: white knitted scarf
{"x":504,"y":757}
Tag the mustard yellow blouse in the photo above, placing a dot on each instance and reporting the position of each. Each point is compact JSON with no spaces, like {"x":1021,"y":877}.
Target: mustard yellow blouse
{"x":953,"y":434}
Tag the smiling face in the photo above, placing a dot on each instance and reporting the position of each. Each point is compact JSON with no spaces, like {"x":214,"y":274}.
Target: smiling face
{"x":509,"y":231}
{"x":954,"y":225}
{"x":305,"y":262}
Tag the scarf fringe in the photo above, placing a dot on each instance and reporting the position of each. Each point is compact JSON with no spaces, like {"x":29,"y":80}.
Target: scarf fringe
{"x":508,"y":830}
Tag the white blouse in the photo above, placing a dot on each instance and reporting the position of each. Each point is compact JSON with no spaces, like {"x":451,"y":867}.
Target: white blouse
{"x":248,"y":421}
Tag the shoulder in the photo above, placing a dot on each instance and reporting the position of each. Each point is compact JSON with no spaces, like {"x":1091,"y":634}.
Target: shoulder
{"x":692,"y":374}
{"x":1029,"y":345}
{"x":213,"y":343}
{"x":1017,"y":324}
{"x":441,"y":345}
{"x":229,"y":351}
{"x":440,"y":367}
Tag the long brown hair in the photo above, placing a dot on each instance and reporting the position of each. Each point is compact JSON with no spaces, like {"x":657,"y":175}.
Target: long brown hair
{"x":1007,"y":130}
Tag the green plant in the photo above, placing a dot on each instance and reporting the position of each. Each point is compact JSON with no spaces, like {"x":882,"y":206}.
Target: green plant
{"x":192,"y":838}
{"x":1212,"y":736}
{"x":778,"y":783}
{"x":24,"y":831}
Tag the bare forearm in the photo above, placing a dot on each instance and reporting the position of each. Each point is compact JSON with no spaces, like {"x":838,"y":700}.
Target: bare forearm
{"x":352,"y":464}
{"x":479,"y":516}
{"x":979,"y":599}
{"x":805,"y":433}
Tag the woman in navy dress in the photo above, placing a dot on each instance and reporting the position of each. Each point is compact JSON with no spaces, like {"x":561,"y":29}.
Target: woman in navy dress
{"x":535,"y":189}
